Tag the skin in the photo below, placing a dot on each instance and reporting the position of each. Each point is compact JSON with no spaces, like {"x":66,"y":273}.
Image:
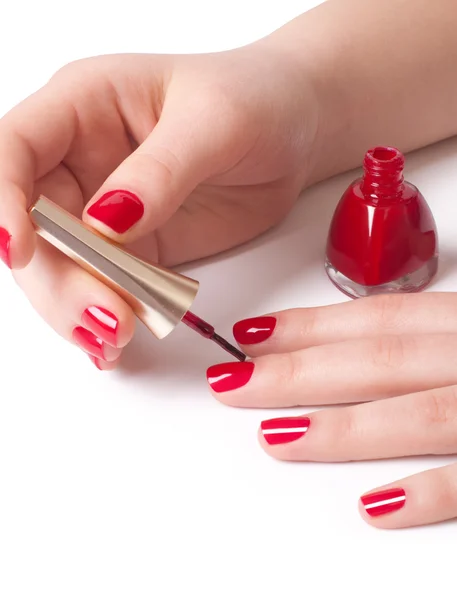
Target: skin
{"x":218,"y":148}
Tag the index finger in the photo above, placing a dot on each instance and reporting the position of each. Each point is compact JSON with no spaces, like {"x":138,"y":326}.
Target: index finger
{"x":34,"y":138}
{"x":396,"y":314}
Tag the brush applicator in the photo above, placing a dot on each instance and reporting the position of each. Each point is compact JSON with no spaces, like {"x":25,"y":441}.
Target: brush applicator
{"x":159,"y":297}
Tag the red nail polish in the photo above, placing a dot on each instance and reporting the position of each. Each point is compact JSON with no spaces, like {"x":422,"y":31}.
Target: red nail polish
{"x":96,"y":361}
{"x":229,"y":376}
{"x":283,"y":431}
{"x":254,"y":331}
{"x":383,"y":236}
{"x":385,"y":501}
{"x":88,"y":342}
{"x":119,"y":210}
{"x":102,"y":323}
{"x":5,"y":240}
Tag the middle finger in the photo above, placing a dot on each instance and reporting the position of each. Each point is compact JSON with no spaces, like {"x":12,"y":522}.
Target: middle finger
{"x":350,"y":371}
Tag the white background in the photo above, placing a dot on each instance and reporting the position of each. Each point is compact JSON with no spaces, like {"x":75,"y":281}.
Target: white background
{"x":138,"y":485}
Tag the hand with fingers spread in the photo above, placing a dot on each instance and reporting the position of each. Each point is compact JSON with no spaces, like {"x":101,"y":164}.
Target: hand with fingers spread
{"x":394,"y":356}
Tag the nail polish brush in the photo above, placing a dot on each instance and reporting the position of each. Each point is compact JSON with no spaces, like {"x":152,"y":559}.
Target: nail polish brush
{"x":159,"y":297}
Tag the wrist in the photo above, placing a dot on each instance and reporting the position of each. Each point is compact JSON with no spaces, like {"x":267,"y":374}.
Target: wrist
{"x":367,"y":62}
{"x":312,"y":62}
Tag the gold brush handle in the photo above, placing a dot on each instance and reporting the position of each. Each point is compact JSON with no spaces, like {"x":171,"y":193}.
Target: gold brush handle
{"x":159,"y":297}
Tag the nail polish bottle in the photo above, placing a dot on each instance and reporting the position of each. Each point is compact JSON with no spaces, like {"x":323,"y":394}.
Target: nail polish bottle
{"x":383,"y":236}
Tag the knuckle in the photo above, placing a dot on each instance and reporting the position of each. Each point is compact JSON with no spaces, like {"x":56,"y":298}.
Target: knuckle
{"x":340,"y":435}
{"x":165,"y":162}
{"x":291,"y":369}
{"x":387,"y":310}
{"x":390,"y":352}
{"x":346,"y":428}
{"x":441,"y":492}
{"x":81,"y":70}
{"x":233,"y":115}
{"x":438,"y":407}
{"x":446,"y":491}
{"x":217,"y":96}
{"x":68,"y":70}
{"x":307,"y":321}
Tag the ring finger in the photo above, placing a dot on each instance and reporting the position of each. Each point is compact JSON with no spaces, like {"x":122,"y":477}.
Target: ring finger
{"x":414,"y":425}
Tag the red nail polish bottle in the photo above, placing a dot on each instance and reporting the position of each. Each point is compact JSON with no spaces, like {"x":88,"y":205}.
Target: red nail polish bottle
{"x":383,"y":236}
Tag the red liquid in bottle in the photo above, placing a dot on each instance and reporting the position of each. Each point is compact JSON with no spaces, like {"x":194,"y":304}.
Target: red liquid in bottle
{"x":383,"y":236}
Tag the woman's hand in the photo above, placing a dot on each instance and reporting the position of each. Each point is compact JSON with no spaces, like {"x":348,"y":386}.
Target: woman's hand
{"x":177,"y":157}
{"x":397,"y":351}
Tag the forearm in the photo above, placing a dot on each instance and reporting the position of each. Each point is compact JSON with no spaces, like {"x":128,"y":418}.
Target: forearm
{"x":385,"y":73}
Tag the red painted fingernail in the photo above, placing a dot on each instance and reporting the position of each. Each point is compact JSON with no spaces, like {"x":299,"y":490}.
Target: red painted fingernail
{"x":119,"y":210}
{"x":385,"y":501}
{"x":283,"y":431}
{"x":96,"y":362}
{"x":5,"y":240}
{"x":89,"y":342}
{"x":254,"y":331}
{"x":229,"y":376}
{"x":101,"y":322}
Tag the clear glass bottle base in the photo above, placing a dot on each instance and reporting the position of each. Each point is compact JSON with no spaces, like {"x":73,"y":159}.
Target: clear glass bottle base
{"x":413,"y":282}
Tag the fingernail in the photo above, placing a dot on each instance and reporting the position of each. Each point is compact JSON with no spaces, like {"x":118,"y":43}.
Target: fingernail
{"x":102,"y":323}
{"x":283,"y":431}
{"x":383,"y":502}
{"x":119,"y":210}
{"x":229,"y":376}
{"x":5,"y":240}
{"x":88,"y":342}
{"x":254,"y":331}
{"x":96,"y":362}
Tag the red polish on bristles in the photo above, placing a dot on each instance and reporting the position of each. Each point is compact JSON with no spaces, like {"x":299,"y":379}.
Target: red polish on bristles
{"x":207,"y":331}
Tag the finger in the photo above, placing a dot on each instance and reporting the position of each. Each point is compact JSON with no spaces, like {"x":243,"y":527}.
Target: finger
{"x":422,"y":499}
{"x":103,"y":365}
{"x":412,"y":425}
{"x":298,"y":328}
{"x":150,"y":185}
{"x":78,"y":307}
{"x":344,"y":372}
{"x":34,"y":138}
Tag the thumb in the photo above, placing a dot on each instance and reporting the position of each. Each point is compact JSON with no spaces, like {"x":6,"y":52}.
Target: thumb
{"x":150,"y":185}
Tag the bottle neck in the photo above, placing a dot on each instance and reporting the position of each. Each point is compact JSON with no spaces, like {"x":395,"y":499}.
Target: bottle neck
{"x":383,"y":173}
